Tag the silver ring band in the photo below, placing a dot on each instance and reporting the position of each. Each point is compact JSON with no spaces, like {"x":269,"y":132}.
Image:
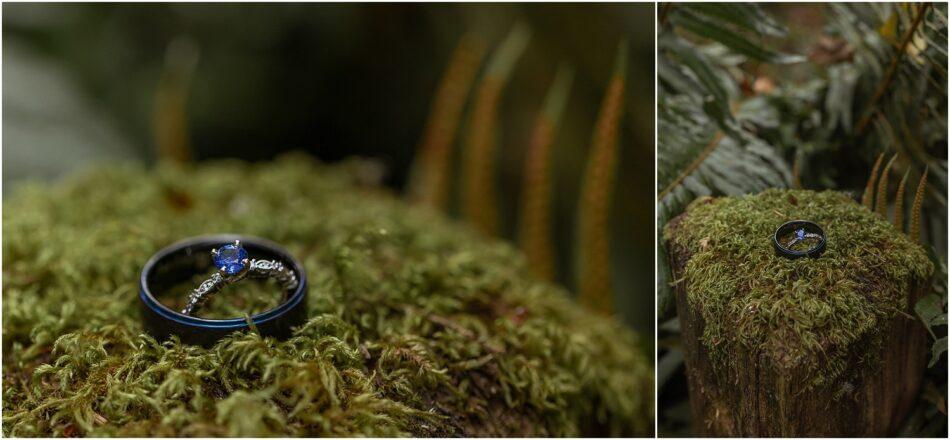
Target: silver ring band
{"x":807,"y":235}
{"x":226,"y":276}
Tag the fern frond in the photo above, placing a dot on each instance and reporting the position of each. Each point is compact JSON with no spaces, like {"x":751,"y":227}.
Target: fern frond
{"x":707,"y":22}
{"x":478,"y":192}
{"x":535,"y":228}
{"x":914,"y":228}
{"x":706,"y":146}
{"x":868,"y":198}
{"x":881,"y":207}
{"x":594,"y":206}
{"x":891,"y":69}
{"x":899,"y":202}
{"x":695,"y":158}
{"x":428,"y":183}
{"x":693,"y":166}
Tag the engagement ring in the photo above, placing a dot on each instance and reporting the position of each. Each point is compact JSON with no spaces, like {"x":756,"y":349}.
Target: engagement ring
{"x":232,"y":258}
{"x":809,"y":237}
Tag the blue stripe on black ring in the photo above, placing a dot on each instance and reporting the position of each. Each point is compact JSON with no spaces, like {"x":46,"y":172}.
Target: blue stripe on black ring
{"x":789,"y":227}
{"x":182,"y":260}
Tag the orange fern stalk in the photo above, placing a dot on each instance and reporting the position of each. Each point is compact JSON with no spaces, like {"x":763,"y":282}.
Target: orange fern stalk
{"x":169,"y":114}
{"x":899,"y":202}
{"x":429,"y":184}
{"x":914,"y":228}
{"x":881,"y":207}
{"x":796,"y":171}
{"x":868,"y":198}
{"x":534,"y":231}
{"x":594,"y":228}
{"x":478,"y":161}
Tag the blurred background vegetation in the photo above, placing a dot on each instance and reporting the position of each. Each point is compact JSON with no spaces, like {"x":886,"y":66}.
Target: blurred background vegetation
{"x":86,"y":84}
{"x":815,"y":96}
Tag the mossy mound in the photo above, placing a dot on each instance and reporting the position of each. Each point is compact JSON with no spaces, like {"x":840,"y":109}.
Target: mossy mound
{"x":418,"y":326}
{"x":809,"y":315}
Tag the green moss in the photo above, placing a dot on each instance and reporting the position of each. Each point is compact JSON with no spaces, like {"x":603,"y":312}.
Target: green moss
{"x":418,"y":326}
{"x":807,"y":315}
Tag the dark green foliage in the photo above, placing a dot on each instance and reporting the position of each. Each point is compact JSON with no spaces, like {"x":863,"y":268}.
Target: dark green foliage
{"x":809,"y":315}
{"x":704,"y":147}
{"x":735,"y":26}
{"x":932,"y":309}
{"x":832,"y":115}
{"x":418,"y":326}
{"x":852,"y":109}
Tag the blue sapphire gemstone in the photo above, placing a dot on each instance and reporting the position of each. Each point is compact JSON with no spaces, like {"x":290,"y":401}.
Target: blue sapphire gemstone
{"x":800,"y":233}
{"x":230,"y":257}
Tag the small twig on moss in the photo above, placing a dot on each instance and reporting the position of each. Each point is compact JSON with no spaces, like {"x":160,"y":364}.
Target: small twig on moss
{"x":250,"y":323}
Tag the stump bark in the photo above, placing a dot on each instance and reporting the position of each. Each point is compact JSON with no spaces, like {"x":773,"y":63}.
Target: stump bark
{"x":763,"y":398}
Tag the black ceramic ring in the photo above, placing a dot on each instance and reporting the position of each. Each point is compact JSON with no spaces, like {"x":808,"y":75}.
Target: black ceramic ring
{"x":182,"y":260}
{"x":800,"y":229}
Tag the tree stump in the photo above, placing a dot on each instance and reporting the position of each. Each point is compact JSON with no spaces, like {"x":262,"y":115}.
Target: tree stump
{"x":797,"y":348}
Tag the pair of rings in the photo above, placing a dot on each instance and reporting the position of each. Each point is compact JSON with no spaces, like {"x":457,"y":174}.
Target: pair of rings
{"x":238,"y":257}
{"x":801,"y":232}
{"x":233,"y":258}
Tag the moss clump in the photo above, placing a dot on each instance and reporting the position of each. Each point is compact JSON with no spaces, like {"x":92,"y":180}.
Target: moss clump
{"x":418,"y":326}
{"x":807,"y":315}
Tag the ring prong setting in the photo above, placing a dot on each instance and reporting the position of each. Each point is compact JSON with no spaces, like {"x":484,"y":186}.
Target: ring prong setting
{"x":231,"y":258}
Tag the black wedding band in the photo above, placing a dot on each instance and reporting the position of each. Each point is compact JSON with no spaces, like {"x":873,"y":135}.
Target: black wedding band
{"x":182,"y":260}
{"x":800,"y":228}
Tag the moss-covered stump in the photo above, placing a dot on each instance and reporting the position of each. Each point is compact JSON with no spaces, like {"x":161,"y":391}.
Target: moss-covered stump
{"x":418,"y":326}
{"x":807,"y":347}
